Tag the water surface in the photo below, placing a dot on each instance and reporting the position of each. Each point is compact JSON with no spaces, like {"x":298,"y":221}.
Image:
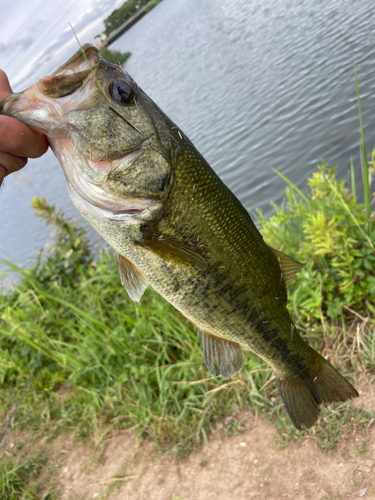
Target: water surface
{"x":255,"y":85}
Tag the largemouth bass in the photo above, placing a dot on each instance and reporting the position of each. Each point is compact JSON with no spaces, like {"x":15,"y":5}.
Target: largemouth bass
{"x":173,"y":224}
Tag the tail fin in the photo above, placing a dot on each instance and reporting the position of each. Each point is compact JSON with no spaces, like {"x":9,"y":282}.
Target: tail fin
{"x":302,"y":396}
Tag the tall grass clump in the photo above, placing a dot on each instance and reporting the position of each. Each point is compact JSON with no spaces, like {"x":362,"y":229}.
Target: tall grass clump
{"x":101,"y":361}
{"x":364,"y":163}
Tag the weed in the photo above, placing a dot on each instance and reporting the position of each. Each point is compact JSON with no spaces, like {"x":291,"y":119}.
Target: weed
{"x":103,"y":361}
{"x":334,"y":424}
{"x":15,"y":478}
{"x":324,"y":229}
{"x":363,"y":447}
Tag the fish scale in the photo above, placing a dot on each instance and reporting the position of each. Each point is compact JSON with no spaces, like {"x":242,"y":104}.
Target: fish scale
{"x":174,"y":225}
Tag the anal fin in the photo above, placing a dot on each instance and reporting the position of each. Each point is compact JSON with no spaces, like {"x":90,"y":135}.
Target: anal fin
{"x":134,"y":281}
{"x":228,"y":355}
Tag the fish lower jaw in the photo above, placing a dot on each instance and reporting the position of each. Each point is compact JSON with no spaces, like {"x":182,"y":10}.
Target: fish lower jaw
{"x":86,"y":188}
{"x":105,"y":206}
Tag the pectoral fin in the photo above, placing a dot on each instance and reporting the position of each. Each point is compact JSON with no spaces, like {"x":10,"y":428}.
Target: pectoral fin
{"x":172,"y":250}
{"x":229,"y":356}
{"x":289,"y":266}
{"x":134,"y":281}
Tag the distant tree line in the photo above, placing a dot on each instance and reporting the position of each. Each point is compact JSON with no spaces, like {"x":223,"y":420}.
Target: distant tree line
{"x":125,"y":12}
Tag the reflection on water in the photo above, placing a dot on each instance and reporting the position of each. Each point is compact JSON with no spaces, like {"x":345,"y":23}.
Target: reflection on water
{"x":255,"y":86}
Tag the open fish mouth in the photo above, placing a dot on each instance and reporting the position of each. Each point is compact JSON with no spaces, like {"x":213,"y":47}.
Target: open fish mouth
{"x":126,"y":209}
{"x":87,"y":185}
{"x":93,"y":199}
{"x":91,"y":130}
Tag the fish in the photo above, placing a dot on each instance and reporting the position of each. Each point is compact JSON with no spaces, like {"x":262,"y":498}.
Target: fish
{"x":174,"y":225}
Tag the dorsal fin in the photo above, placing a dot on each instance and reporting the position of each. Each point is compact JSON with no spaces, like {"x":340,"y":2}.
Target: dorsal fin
{"x":289,"y":266}
{"x":172,"y":250}
{"x":229,"y":356}
{"x":134,"y":281}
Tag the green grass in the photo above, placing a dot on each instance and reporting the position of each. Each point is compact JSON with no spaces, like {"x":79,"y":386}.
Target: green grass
{"x":102,"y":360}
{"x":335,"y":423}
{"x":364,"y":163}
{"x":18,"y":480}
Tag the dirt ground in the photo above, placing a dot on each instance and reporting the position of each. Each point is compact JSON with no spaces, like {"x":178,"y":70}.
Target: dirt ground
{"x":245,"y":466}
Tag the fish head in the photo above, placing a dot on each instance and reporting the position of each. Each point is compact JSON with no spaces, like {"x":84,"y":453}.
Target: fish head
{"x":106,"y":133}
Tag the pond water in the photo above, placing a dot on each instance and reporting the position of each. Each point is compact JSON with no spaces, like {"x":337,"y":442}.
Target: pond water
{"x":255,"y":85}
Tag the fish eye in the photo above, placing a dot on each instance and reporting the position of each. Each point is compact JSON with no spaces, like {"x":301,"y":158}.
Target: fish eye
{"x":120,"y":91}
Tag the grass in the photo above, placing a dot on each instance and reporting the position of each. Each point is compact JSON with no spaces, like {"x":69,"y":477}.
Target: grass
{"x":364,"y":164}
{"x":334,"y":424}
{"x":105,"y":360}
{"x":18,"y":480}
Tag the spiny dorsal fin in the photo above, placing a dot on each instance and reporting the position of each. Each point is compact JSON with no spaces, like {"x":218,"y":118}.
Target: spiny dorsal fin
{"x":289,"y":266}
{"x":134,"y":281}
{"x":172,"y":250}
{"x":229,"y":356}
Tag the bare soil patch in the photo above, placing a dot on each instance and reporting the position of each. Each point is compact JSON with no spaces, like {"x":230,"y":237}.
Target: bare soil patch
{"x":244,"y":466}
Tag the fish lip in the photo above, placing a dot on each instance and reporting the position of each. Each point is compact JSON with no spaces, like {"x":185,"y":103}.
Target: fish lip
{"x":9,"y":100}
{"x":72,"y":61}
{"x":130,"y":211}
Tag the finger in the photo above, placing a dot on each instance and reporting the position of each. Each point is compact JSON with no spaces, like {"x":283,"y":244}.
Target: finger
{"x":5,"y":88}
{"x":18,"y":139}
{"x":2,"y":174}
{"x":11,"y":163}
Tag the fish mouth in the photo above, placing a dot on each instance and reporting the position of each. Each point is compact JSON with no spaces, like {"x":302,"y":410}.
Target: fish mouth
{"x":9,"y":100}
{"x":78,"y":61}
{"x":38,"y":106}
{"x":88,"y":192}
{"x":128,"y":210}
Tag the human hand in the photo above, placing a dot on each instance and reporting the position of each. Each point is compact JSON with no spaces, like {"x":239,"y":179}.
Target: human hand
{"x":17,"y":141}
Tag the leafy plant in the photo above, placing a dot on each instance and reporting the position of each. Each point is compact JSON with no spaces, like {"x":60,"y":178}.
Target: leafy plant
{"x":325,"y":229}
{"x":67,"y":260}
{"x":114,"y":56}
